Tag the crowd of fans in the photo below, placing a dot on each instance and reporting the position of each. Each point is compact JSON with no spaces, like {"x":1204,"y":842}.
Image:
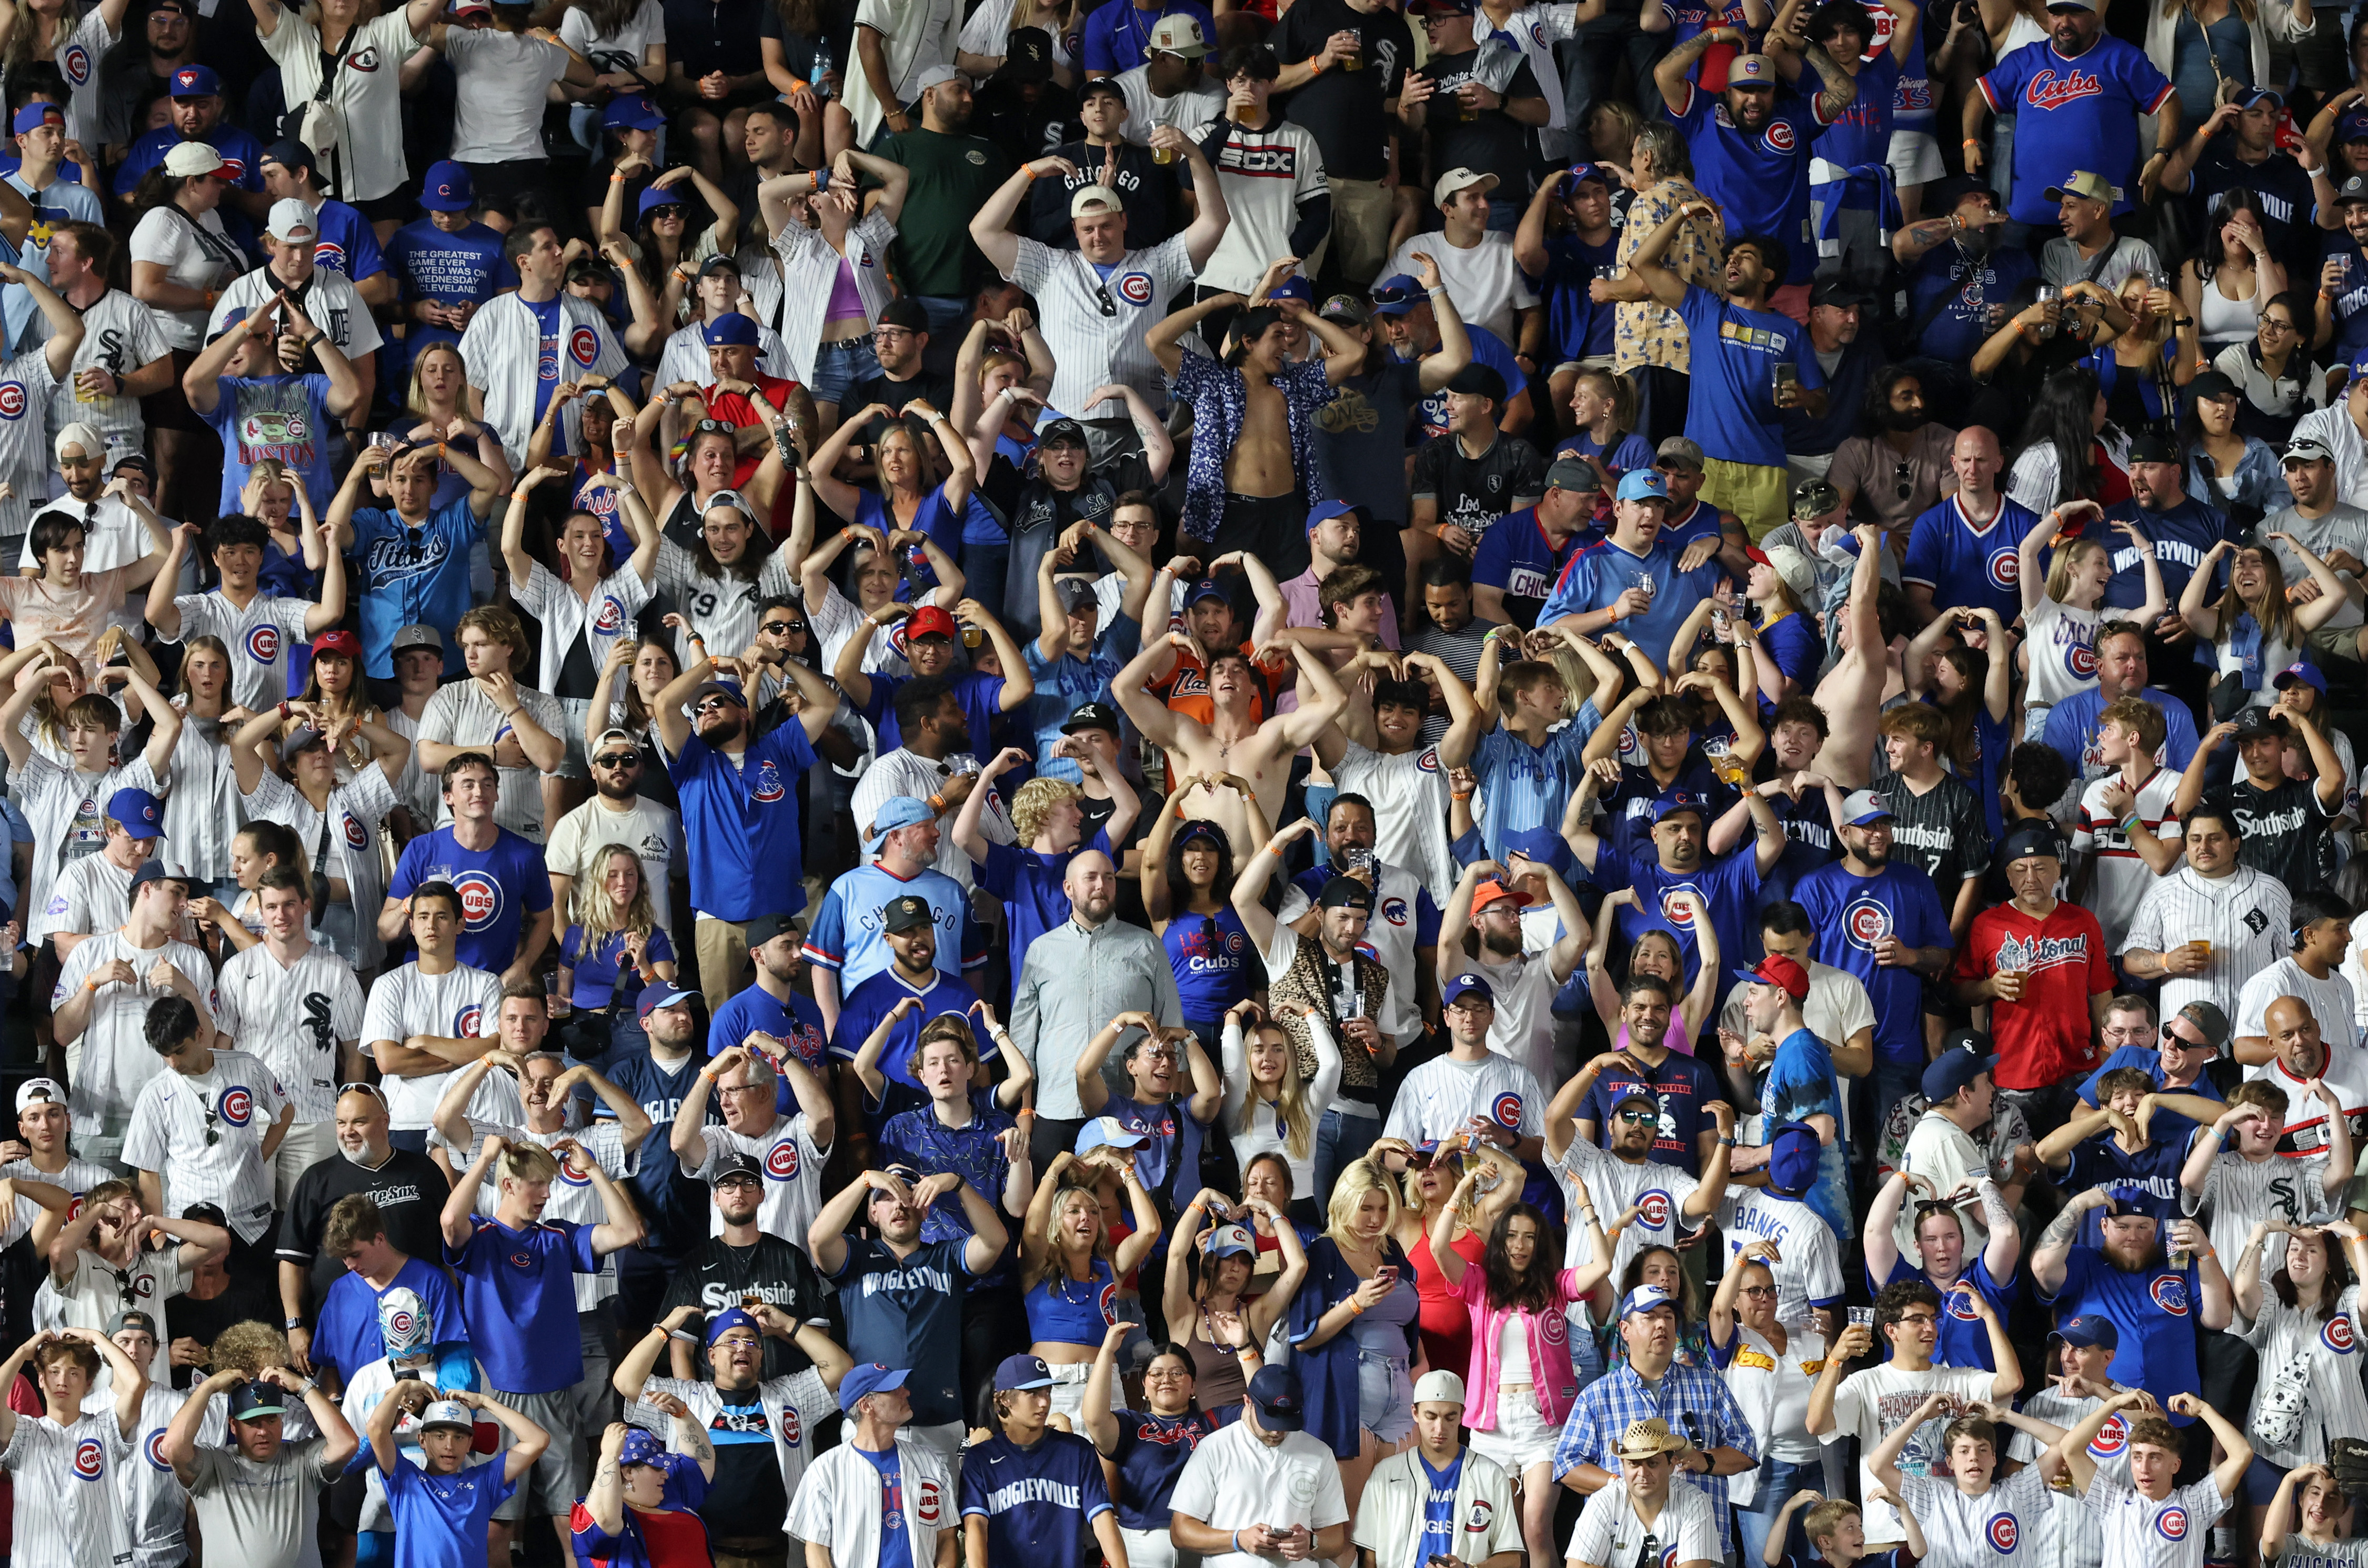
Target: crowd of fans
{"x":1159,"y":786}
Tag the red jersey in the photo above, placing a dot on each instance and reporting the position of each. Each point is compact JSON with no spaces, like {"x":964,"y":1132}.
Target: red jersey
{"x":736,"y":409}
{"x":2047,"y":1034}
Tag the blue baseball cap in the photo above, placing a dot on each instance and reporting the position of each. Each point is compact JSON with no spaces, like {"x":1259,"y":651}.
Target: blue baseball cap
{"x":1396,"y":295}
{"x":868,"y":1379}
{"x":446,"y":188}
{"x":633,"y":111}
{"x":32,"y":115}
{"x":1953,"y":1069}
{"x":1865,"y":806}
{"x":1107,"y":1132}
{"x":731,"y":330}
{"x":2248,"y":96}
{"x":897,"y":811}
{"x":2360,"y":365}
{"x":2353,"y":127}
{"x":1022,"y":1371}
{"x":1294,"y":287}
{"x":1324,"y":511}
{"x":1793,"y":1153}
{"x":138,"y":812}
{"x":1643,"y":485}
{"x":1468,"y":983}
{"x":1645,"y":1299}
{"x":659,"y":997}
{"x":195,"y":82}
{"x":655,"y":196}
{"x":2302,"y":671}
{"x":639,"y":1448}
{"x":729,"y":1319}
{"x":1670,"y":802}
{"x":2090,"y":1329}
{"x":1580,"y":174}
{"x":1206,"y":588}
{"x":1281,"y":1402}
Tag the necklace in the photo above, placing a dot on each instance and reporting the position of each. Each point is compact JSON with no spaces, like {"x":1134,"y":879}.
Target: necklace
{"x":1137,"y":33}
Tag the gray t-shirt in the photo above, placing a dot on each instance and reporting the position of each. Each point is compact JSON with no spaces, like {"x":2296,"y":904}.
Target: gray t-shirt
{"x":2345,"y":528}
{"x":262,"y":1516}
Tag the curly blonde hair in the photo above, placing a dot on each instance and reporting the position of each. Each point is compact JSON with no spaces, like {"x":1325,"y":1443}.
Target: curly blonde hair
{"x":597,"y":912}
{"x":249,"y":1346}
{"x":1032,"y":806}
{"x":1356,"y":1179}
{"x":1054,"y":1264}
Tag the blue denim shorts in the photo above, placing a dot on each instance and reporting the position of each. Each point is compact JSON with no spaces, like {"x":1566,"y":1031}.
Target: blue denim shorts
{"x":838,"y":366}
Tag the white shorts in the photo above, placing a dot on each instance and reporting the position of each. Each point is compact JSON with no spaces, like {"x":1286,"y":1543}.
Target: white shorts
{"x":1915,"y":157}
{"x":1521,"y":1437}
{"x":1069,"y":1388}
{"x":1155,"y":1548}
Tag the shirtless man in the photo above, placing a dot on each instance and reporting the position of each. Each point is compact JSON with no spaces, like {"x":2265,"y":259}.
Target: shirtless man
{"x":1233,"y":741}
{"x":1263,"y":505}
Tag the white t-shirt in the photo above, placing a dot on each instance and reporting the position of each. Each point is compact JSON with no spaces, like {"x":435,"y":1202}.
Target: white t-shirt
{"x":1609,"y":1535}
{"x":623,"y":49}
{"x":1234,"y":1479}
{"x":793,"y":1163}
{"x":1487,"y":284}
{"x":195,"y":253}
{"x":652,"y":832}
{"x":2331,"y":1002}
{"x":503,"y":79}
{"x":1871,"y":1403}
{"x":1145,"y":111}
{"x":2062,"y":644}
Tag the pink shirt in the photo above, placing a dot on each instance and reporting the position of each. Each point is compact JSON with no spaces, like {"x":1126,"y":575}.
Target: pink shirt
{"x":1554,"y":1384}
{"x":73,"y":619}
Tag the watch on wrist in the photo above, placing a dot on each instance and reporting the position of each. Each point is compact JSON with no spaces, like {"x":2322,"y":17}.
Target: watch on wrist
{"x":294,"y":1323}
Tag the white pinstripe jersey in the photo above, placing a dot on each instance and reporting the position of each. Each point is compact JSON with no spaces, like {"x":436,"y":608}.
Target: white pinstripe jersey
{"x":459,"y":1004}
{"x":2243,"y":915}
{"x":25,"y":383}
{"x":156,"y":1504}
{"x":203,"y":1132}
{"x":503,"y":350}
{"x":721,"y":609}
{"x":358,"y":809}
{"x":1092,"y":345}
{"x":461,"y":714}
{"x":258,"y":638}
{"x":54,"y":797}
{"x":115,"y":1063}
{"x":2122,"y":877}
{"x":293,"y":1018}
{"x":202,"y":812}
{"x":1441,"y":1096}
{"x":69,"y":1509}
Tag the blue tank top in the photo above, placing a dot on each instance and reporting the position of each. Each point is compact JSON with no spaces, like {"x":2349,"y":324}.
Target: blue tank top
{"x":1212,"y":955}
{"x":1062,"y":1311}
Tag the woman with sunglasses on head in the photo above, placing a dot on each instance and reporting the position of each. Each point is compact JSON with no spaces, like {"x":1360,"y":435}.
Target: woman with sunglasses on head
{"x":1187,"y":877}
{"x":1150,"y":1447}
{"x":1939,"y":1258}
{"x":1268,"y":1104}
{"x":1770,"y":1367}
{"x":1071,"y":1270}
{"x":1214,"y":1318}
{"x":1425,"y":1179}
{"x":1521,"y":1384}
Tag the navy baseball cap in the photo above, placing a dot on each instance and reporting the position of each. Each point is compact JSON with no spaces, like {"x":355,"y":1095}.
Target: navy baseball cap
{"x":153,"y":871}
{"x":639,"y":1448}
{"x":1396,"y":295}
{"x":1206,"y":588}
{"x":2090,"y":1329}
{"x":659,"y":997}
{"x":2353,"y":127}
{"x":195,"y":82}
{"x":868,"y":1379}
{"x":1022,"y":1371}
{"x":1670,"y":802}
{"x":1282,"y":1404}
{"x":253,"y":1400}
{"x":1952,"y":1070}
{"x":1468,"y":985}
{"x":633,"y":111}
{"x":729,"y":1319}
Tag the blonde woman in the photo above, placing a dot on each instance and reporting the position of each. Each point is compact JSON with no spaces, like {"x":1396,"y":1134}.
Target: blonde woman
{"x":2254,"y":629}
{"x":1268,"y":1104}
{"x":293,"y":558}
{"x":2062,"y":607}
{"x":1215,"y":1318}
{"x":1427,"y":1179}
{"x":2146,"y":364}
{"x":58,"y":32}
{"x":1354,"y":1326}
{"x":1070,"y":1273}
{"x":614,"y":947}
{"x":361,"y":51}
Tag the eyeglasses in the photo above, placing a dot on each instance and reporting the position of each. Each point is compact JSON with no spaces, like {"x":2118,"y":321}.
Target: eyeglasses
{"x":1907,"y":486}
{"x":372,"y":1090}
{"x":2172,"y":1038}
{"x":628,"y":758}
{"x":2272,"y":323}
{"x":1758,"y":1291}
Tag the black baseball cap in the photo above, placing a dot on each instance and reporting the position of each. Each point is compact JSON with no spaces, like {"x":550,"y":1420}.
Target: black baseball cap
{"x":733,"y":1165}
{"x":1091,"y":716}
{"x":906,"y":311}
{"x":906,"y":913}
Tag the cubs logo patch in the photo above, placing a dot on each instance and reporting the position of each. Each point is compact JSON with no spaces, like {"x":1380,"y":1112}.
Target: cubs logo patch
{"x":1506,"y":1110}
{"x":1553,"y":1328}
{"x":611,"y":619}
{"x":1678,"y":915}
{"x":89,"y":1459}
{"x":2081,"y":660}
{"x":468,"y":1022}
{"x":1427,"y":762}
{"x":584,"y":346}
{"x":362,"y":60}
{"x":1780,"y":138}
{"x":2004,"y":569}
{"x":928,"y":1499}
{"x":1236,"y":944}
{"x":792,"y":1430}
{"x":1136,"y":287}
{"x":237,"y":1106}
{"x":356,"y":836}
{"x":12,"y":400}
{"x":155,"y":1451}
{"x":1865,"y":923}
{"x":74,"y":64}
{"x":2112,"y":1441}
{"x":2336,"y":1335}
{"x":2170,"y":1292}
{"x":572,"y":1174}
{"x":2172,"y":1523}
{"x":263,"y":643}
{"x":768,"y":787}
{"x":1482,"y":1513}
{"x":1107,"y":1304}
{"x":481,"y":899}
{"x":782,"y":1161}
{"x":401,"y":1322}
{"x":1669,"y":1557}
{"x":521,"y":1260}
{"x":1395,"y":911}
{"x":2004,"y":1533}
{"x":1961,"y":1307}
{"x":1653,"y":1209}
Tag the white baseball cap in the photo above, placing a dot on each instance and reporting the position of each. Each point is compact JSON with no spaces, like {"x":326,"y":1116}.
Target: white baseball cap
{"x":32,"y":1091}
{"x":192,"y":158}
{"x":291,"y":220}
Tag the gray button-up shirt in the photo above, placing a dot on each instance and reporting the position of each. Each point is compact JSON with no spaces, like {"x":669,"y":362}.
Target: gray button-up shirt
{"x":1075,"y":979}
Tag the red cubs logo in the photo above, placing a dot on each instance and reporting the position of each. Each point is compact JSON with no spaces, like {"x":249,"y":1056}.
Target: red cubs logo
{"x":73,"y":1206}
{"x":1678,"y":915}
{"x":1865,"y":923}
{"x":1107,"y":1304}
{"x":2172,"y":1523}
{"x":1669,"y":1557}
{"x":2004,"y":1533}
{"x":2336,"y":1335}
{"x":1395,"y":911}
{"x":362,"y":60}
{"x":74,"y":64}
{"x":611,"y":619}
{"x":331,"y":255}
{"x":263,"y":643}
{"x":2081,"y":660}
{"x":1961,"y":1306}
{"x":768,"y":784}
{"x":1780,"y":138}
{"x":355,"y":834}
{"x":584,"y":346}
{"x":12,"y":400}
{"x":237,"y":1106}
{"x":2170,"y":1292}
{"x":782,"y":1161}
{"x":2049,"y":91}
{"x":89,"y":1459}
{"x":468,"y":1022}
{"x":571,"y":1173}
{"x":929,"y":1503}
{"x":792,"y":1429}
{"x":1427,"y":762}
{"x":2112,"y":1440}
{"x":2004,"y":569}
{"x":1136,"y":287}
{"x":1507,"y":1111}
{"x":481,"y":899}
{"x":1652,"y":1209}
{"x":155,"y":1449}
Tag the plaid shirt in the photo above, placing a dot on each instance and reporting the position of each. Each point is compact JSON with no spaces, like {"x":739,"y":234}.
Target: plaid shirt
{"x":1644,"y":333}
{"x":1693,"y":1400}
{"x":1220,"y":398}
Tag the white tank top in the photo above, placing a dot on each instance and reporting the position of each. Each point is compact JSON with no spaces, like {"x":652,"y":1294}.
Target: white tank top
{"x":1513,"y":1349}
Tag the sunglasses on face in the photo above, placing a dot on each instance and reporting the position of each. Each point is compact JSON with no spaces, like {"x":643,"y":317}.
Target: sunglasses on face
{"x":1640,"y":1118}
{"x":2170,"y":1036}
{"x":714,"y":705}
{"x":619,"y":759}
{"x":784,"y":628}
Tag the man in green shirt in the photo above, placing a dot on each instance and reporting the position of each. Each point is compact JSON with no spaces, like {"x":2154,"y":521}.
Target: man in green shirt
{"x":953,"y":174}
